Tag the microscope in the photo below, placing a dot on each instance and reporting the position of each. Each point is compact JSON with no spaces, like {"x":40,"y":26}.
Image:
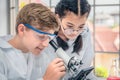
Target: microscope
{"x":72,"y":64}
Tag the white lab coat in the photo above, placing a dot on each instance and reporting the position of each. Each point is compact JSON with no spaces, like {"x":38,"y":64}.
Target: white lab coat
{"x":15,"y":65}
{"x":86,"y":55}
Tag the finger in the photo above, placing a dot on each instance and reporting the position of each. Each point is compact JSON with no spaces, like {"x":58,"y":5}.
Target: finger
{"x":62,"y":73}
{"x":61,"y":63}
{"x":57,"y":60}
{"x":62,"y":69}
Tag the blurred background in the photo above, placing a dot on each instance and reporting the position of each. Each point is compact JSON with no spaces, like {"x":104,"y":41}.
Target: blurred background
{"x":104,"y":23}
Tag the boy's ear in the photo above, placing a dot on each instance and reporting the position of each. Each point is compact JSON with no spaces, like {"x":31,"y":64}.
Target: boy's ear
{"x":21,"y":28}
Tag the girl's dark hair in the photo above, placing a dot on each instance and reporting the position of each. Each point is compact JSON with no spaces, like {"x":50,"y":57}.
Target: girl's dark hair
{"x":72,"y":5}
{"x":65,"y":6}
{"x":77,"y":44}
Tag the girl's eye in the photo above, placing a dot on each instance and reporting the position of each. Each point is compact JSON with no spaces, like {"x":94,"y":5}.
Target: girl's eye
{"x":69,"y":26}
{"x":81,"y":27}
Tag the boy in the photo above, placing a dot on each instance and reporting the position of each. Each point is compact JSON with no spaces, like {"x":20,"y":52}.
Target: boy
{"x":35,"y":27}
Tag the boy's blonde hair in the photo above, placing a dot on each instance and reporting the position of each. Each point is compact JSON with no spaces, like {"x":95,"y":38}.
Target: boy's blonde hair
{"x":37,"y":14}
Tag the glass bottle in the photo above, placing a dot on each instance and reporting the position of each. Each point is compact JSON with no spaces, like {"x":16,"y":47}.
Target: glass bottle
{"x":114,"y":72}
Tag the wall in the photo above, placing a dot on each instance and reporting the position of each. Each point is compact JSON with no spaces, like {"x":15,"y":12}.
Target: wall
{"x":3,"y":17}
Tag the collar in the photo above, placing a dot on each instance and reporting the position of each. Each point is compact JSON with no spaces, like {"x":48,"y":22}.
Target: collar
{"x":85,"y":32}
{"x":4,"y":43}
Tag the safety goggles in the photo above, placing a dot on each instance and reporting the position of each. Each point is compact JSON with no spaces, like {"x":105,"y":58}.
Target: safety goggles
{"x":46,"y":35}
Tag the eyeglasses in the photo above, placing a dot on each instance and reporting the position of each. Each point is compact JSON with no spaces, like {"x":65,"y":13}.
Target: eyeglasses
{"x":71,"y":30}
{"x":46,"y":35}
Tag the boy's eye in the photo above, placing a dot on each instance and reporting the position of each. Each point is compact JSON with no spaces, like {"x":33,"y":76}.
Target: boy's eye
{"x":42,"y":37}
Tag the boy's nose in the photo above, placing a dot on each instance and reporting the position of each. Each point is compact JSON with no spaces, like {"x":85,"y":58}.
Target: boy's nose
{"x":45,"y":43}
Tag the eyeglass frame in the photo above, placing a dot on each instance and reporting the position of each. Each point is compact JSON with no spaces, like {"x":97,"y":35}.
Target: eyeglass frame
{"x":78,"y":31}
{"x":39,"y":31}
